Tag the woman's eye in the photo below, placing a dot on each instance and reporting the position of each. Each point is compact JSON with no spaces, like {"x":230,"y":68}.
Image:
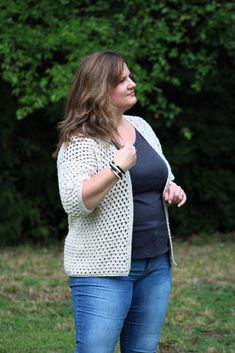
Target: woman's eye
{"x":131,"y":76}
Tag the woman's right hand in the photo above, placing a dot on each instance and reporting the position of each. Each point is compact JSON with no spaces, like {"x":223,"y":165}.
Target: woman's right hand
{"x":126,"y":157}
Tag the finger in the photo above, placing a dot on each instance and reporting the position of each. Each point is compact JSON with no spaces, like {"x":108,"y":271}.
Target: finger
{"x":178,"y":195}
{"x":166,"y":196}
{"x":128,"y":145}
{"x":171,"y":194}
{"x":183,"y":201}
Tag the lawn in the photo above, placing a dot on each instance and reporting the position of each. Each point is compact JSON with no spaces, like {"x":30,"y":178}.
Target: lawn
{"x":36,"y":313}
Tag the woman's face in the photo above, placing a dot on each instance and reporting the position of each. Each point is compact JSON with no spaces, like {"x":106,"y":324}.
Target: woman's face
{"x":123,"y":95}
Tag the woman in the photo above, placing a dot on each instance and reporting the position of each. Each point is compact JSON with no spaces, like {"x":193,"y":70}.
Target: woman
{"x":114,"y":184}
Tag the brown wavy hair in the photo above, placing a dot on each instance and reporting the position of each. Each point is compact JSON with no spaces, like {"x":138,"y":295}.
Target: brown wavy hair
{"x":89,"y":109}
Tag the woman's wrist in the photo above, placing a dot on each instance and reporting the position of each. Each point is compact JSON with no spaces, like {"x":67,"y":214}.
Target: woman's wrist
{"x":116,"y":169}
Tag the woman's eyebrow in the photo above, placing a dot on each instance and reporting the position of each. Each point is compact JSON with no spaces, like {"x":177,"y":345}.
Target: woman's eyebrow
{"x":128,"y":74}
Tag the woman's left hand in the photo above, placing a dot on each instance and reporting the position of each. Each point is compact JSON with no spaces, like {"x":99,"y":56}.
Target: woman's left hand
{"x":174,"y":194}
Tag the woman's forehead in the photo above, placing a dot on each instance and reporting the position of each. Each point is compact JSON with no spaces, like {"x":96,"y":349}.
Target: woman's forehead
{"x":125,"y":71}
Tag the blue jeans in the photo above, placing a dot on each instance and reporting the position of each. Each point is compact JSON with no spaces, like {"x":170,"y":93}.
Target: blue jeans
{"x":131,"y":307}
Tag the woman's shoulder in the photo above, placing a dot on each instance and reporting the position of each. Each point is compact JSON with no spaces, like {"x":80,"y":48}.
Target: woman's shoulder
{"x":134,"y":119}
{"x":78,"y":140}
{"x":138,"y":122}
{"x":82,"y":146}
{"x":77,"y":145}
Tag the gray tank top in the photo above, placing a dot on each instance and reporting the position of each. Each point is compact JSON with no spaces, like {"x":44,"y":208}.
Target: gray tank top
{"x":148,"y":175}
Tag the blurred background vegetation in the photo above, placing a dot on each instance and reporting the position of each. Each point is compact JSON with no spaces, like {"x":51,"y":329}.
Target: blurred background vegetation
{"x":182,"y":54}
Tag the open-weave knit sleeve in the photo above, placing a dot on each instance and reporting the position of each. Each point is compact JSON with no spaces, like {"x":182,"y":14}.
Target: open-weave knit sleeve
{"x":76,"y":162}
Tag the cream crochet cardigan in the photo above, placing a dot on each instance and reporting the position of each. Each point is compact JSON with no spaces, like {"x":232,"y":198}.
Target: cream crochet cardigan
{"x":99,"y":240}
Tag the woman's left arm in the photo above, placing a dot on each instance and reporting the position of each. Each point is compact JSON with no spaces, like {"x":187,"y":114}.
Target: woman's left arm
{"x":174,"y":194}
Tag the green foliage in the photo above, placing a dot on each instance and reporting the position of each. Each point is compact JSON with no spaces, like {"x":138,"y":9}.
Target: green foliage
{"x":182,"y":54}
{"x":166,"y":42}
{"x":205,"y":163}
{"x":28,"y":178}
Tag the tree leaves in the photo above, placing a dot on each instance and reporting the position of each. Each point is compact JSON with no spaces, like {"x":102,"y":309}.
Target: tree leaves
{"x":166,"y":41}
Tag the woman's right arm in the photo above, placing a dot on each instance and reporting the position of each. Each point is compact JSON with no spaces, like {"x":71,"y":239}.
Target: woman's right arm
{"x":95,"y":189}
{"x":81,"y":186}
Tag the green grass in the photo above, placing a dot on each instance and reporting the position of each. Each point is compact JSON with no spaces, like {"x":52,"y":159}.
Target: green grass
{"x":36,"y":312}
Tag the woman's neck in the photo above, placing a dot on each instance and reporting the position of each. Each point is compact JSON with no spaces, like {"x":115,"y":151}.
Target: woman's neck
{"x":119,"y":119}
{"x":125,"y":132}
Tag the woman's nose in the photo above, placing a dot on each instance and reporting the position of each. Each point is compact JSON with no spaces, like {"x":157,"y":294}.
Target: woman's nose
{"x":131,"y":83}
